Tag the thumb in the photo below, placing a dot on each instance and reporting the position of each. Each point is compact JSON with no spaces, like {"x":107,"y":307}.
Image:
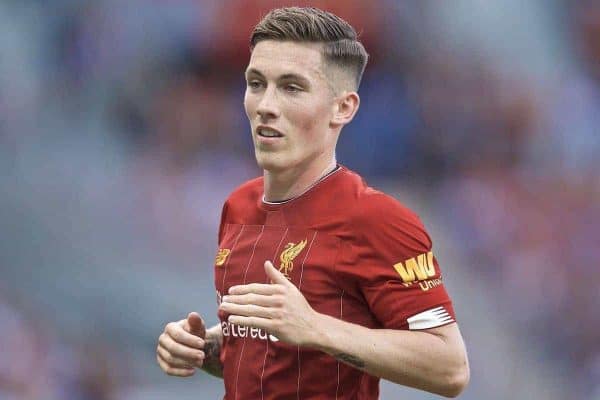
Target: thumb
{"x":274,"y":274}
{"x":196,"y":325}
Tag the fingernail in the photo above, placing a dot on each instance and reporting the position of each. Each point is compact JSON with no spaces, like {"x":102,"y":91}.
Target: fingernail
{"x":225,"y":298}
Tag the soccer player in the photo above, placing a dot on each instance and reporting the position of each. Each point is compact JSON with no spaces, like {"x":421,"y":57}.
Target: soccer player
{"x":324,"y":284}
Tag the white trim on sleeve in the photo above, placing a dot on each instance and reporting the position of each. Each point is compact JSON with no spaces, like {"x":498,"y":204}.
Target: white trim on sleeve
{"x":429,"y":319}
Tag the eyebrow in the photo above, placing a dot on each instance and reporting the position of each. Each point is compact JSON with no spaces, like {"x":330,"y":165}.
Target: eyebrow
{"x":284,"y":77}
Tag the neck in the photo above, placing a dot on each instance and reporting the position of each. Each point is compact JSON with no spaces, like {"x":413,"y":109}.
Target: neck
{"x":287,"y":184}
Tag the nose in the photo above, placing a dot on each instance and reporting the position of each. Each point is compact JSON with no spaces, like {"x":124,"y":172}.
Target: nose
{"x":267,"y":107}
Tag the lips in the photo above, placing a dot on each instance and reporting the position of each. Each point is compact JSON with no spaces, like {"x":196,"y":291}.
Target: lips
{"x":268,"y":132}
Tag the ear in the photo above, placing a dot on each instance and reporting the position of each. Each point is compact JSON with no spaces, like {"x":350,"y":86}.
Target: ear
{"x":345,"y":107}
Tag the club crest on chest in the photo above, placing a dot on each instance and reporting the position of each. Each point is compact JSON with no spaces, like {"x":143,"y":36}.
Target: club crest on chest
{"x":289,"y":253}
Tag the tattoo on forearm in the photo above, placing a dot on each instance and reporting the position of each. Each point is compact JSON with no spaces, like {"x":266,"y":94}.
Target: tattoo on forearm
{"x":350,"y":359}
{"x":212,"y":362}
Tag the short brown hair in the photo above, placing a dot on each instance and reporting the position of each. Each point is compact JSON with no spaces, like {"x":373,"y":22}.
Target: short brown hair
{"x":309,"y":24}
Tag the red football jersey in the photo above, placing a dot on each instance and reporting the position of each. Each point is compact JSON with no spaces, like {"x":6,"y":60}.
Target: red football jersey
{"x":355,"y":254}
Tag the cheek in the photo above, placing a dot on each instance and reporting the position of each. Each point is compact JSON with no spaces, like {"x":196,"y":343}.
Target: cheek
{"x":310,"y":117}
{"x":248,"y":104}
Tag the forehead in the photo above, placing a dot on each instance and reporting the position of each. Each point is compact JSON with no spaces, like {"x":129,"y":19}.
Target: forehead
{"x":273,"y":58}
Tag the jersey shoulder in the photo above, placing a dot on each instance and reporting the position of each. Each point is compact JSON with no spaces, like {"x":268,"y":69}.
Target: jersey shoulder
{"x":379,"y":220}
{"x":376,"y":209}
{"x":243,"y":199}
{"x":247,"y":191}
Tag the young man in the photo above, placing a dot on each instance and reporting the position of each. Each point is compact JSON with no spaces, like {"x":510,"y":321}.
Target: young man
{"x":324,"y":285}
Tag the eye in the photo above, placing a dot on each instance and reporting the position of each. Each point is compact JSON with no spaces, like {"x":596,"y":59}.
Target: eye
{"x":291,"y":88}
{"x":254,"y":84}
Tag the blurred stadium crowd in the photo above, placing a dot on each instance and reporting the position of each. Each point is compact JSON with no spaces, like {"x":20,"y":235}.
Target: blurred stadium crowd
{"x":122,"y":130}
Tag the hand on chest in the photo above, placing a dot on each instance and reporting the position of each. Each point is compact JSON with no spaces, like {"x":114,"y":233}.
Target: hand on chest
{"x":306,"y":257}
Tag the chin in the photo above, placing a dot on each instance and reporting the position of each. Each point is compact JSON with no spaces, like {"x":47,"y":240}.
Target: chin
{"x":269,"y":165}
{"x":270,"y":162}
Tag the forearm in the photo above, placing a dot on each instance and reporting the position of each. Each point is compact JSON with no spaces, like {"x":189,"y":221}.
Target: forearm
{"x":423,"y":360}
{"x":212,"y":351}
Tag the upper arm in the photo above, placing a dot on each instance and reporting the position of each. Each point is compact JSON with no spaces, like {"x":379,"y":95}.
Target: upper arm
{"x":448,"y":333}
{"x":392,"y":263}
{"x":404,"y":285}
{"x":451,"y":336}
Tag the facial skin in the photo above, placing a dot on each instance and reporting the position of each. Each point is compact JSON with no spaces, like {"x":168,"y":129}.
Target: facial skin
{"x":290,"y":89}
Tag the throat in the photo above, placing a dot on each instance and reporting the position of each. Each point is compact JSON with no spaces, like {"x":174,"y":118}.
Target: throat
{"x":280,"y":188}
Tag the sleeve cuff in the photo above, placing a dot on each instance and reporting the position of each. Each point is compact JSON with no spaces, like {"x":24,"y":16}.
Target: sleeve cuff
{"x":431,"y":318}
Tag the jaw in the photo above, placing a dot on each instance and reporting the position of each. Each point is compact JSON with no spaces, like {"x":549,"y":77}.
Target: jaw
{"x":272,"y":160}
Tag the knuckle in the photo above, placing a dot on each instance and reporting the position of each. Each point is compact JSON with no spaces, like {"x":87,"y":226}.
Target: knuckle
{"x":277,"y":324}
{"x":162,"y":355}
{"x":163,"y":366}
{"x":167,"y":342}
{"x":176,"y":350}
{"x":168,"y":357}
{"x":278,"y":300}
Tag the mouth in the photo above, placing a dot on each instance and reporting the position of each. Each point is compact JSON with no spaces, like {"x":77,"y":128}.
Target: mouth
{"x":268,"y":132}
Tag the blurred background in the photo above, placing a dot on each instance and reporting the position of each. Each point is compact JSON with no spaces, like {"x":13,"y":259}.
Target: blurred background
{"x":122,"y":131}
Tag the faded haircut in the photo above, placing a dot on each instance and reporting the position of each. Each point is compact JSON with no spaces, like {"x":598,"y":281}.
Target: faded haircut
{"x":308,"y":24}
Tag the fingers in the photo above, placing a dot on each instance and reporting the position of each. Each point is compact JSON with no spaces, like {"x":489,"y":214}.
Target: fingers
{"x":258,"y":288}
{"x":275,"y":275}
{"x":250,"y":310}
{"x":190,"y":355}
{"x":178,"y":333}
{"x":172,"y":361}
{"x":174,"y":371}
{"x":274,"y":300}
{"x":180,"y":352}
{"x":255,"y":322}
{"x":279,"y":282}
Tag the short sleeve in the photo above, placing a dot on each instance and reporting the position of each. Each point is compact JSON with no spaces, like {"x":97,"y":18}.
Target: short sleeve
{"x":222,"y":223}
{"x":390,"y":259}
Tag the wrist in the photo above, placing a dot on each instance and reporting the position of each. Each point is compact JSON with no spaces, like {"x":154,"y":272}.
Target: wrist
{"x":318,"y":335}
